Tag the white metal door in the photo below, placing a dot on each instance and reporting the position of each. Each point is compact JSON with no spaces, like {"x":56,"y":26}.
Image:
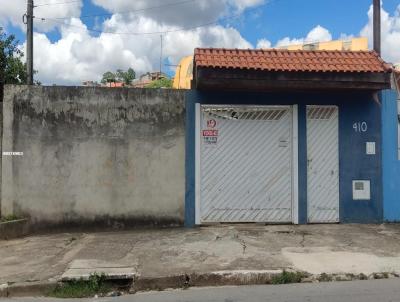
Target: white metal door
{"x":246,"y":164}
{"x":322,"y":164}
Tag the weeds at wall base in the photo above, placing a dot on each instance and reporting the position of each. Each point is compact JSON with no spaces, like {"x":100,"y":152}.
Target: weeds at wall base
{"x":288,"y":277}
{"x":95,"y":285}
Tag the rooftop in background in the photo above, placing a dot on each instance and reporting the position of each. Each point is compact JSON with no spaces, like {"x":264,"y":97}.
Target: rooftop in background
{"x":147,"y":78}
{"x":355,"y":44}
{"x":291,"y":60}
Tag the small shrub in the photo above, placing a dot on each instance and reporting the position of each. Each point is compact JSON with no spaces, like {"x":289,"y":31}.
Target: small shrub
{"x":324,"y":278}
{"x":362,"y":276}
{"x":385,"y":275}
{"x":287,"y":277}
{"x":82,"y":288}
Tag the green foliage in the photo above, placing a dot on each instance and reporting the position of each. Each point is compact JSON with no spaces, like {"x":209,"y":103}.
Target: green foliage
{"x":82,"y":288}
{"x":109,"y":77}
{"x":324,"y":277}
{"x":12,"y":70}
{"x":287,"y":277}
{"x":161,"y":83}
{"x":9,"y":218}
{"x":120,"y":75}
{"x":126,"y":76}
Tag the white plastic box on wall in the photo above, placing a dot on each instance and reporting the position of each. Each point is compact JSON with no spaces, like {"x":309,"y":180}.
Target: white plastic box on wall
{"x":361,"y":190}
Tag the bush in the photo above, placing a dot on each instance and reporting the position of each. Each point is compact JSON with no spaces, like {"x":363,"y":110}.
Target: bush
{"x":287,"y":277}
{"x":82,"y":288}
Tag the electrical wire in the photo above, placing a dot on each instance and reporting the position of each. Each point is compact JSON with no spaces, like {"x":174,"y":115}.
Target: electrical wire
{"x":57,"y":3}
{"x":132,"y":11}
{"x":155,"y":32}
{"x":138,"y":33}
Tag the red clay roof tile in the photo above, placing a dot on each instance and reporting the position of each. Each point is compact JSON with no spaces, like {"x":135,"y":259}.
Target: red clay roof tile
{"x":291,"y":60}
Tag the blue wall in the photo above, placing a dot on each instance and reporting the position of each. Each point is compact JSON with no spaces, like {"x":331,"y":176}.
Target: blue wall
{"x":353,"y":162}
{"x":391,"y":163}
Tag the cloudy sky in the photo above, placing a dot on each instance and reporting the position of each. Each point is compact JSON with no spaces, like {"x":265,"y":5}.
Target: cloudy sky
{"x":78,"y":40}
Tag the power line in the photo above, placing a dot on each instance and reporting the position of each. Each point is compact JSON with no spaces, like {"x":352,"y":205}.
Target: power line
{"x":132,"y":11}
{"x":57,"y":3}
{"x":139,"y":33}
{"x":55,"y":20}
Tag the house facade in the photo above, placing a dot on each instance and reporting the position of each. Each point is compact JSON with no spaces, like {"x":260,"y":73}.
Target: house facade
{"x":278,"y":136}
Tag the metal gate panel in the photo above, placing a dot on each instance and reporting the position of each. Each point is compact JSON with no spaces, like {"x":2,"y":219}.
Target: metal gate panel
{"x":246,"y":164}
{"x":322,"y":164}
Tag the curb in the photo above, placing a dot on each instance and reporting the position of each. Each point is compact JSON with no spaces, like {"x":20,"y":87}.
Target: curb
{"x":220,"y":278}
{"x":27,"y":289}
{"x":14,"y":229}
{"x":182,"y":281}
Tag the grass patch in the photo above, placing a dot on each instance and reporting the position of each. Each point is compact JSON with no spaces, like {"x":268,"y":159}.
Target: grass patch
{"x":287,"y":277}
{"x":95,"y":285}
{"x":9,"y":218}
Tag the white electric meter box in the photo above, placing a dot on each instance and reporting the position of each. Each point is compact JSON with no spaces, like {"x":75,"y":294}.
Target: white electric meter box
{"x":361,"y":190}
{"x":371,"y":150}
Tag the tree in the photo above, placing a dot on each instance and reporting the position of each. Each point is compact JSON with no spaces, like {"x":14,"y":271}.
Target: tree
{"x":109,"y":77}
{"x":126,"y":76}
{"x":161,"y":83}
{"x":120,"y":75}
{"x":12,"y":69}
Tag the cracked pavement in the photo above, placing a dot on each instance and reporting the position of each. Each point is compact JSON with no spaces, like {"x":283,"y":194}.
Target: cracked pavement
{"x":158,"y":253}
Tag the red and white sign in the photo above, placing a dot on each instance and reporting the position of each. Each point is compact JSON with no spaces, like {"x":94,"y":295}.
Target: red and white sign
{"x":210,"y":132}
{"x":210,"y":136}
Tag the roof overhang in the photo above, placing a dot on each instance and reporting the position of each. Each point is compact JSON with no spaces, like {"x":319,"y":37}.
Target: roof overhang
{"x":208,"y":78}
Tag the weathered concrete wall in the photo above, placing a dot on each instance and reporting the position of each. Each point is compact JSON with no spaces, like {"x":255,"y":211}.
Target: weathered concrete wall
{"x":94,"y":154}
{"x":1,"y":137}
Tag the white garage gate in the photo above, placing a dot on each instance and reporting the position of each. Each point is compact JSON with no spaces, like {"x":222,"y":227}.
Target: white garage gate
{"x":244,"y":164}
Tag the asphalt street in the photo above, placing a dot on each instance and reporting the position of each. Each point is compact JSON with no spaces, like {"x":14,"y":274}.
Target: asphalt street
{"x":354,"y":291}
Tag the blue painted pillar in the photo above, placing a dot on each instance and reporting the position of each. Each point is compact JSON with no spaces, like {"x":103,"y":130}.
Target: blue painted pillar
{"x":390,"y":157}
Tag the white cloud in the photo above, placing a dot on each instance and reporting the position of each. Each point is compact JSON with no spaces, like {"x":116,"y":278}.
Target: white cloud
{"x":288,"y":41}
{"x":78,"y":56}
{"x":182,"y":13}
{"x":263,"y":43}
{"x":317,"y":34}
{"x":11,"y":12}
{"x":390,"y":34}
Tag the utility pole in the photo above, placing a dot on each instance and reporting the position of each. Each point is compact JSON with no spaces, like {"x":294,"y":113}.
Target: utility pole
{"x":161,"y":56}
{"x":29,"y":42}
{"x":377,"y":26}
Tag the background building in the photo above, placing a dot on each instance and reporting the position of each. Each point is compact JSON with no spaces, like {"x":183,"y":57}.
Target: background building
{"x":147,"y":78}
{"x":184,"y":73}
{"x":356,"y":44}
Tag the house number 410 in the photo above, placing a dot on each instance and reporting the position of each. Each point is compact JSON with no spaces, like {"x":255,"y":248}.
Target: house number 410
{"x":360,"y":127}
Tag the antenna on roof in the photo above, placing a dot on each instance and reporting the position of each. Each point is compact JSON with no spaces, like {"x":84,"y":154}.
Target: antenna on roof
{"x":161,"y":54}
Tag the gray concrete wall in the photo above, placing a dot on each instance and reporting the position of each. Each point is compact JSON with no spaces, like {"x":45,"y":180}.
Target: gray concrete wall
{"x":94,"y":155}
{"x":1,"y":140}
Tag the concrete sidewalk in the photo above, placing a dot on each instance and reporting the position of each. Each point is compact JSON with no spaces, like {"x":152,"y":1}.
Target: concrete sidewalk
{"x":316,"y":249}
